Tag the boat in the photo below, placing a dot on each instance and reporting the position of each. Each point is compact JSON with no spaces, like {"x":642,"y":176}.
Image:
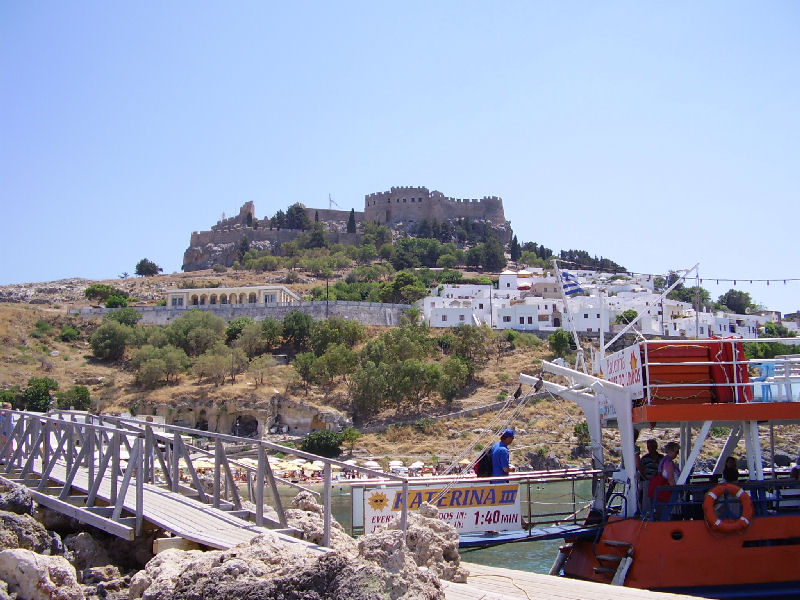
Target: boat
{"x":702,"y":536}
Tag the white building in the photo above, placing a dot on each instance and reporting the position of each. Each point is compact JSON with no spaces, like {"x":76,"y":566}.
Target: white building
{"x":528,"y":301}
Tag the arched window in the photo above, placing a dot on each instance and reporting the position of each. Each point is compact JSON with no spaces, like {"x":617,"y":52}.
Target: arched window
{"x":213,"y":299}
{"x":242,"y":298}
{"x":251,"y":298}
{"x":203,"y":300}
{"x":223,"y":299}
{"x":195,"y":301}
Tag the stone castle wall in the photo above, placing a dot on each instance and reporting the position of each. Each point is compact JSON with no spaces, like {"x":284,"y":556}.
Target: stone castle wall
{"x":400,"y":205}
{"x":404,"y":204}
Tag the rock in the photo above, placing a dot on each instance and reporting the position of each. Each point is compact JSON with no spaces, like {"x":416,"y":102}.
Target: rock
{"x":23,"y":531}
{"x":433,"y":543}
{"x":307,"y":502}
{"x":17,"y":500}
{"x":4,"y":591}
{"x":538,"y":462}
{"x":269,"y":569}
{"x":95,"y":575}
{"x":34,"y":576}
{"x":86,"y":551}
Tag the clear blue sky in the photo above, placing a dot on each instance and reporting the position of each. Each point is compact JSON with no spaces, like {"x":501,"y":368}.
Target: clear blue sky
{"x":658,"y":134}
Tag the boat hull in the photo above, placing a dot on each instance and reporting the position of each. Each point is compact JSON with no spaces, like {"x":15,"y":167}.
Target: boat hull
{"x":689,"y":556}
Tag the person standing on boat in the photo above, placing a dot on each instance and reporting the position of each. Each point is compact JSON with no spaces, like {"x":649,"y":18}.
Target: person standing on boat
{"x":670,"y":471}
{"x":731,"y":472}
{"x":501,"y":463}
{"x":648,"y":468}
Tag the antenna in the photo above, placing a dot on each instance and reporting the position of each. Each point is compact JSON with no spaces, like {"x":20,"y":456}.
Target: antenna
{"x":331,"y":203}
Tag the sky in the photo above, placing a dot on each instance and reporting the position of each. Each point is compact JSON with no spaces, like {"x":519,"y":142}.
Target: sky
{"x":657,"y":134}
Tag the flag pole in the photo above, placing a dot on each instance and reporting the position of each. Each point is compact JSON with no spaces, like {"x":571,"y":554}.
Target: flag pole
{"x":579,"y":360}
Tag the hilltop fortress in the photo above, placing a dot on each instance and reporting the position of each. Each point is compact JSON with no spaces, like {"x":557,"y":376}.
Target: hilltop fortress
{"x":401,"y":208}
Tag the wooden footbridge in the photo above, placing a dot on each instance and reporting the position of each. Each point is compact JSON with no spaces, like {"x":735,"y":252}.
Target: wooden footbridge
{"x":117,"y":474}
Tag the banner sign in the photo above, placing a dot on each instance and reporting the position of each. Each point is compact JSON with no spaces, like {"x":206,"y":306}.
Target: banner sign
{"x":473,"y":506}
{"x":623,"y":368}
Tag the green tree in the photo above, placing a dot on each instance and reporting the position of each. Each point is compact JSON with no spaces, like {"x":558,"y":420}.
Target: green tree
{"x":335,"y":330}
{"x":146,"y":268}
{"x":303,"y":364}
{"x":242,"y":247}
{"x":324,"y":443}
{"x":260,"y":368}
{"x":494,"y":257}
{"x":251,"y":340}
{"x":351,"y":221}
{"x":272,"y":331}
{"x":195,"y":331}
{"x":297,"y":329}
{"x":626,"y":317}
{"x":472,"y":344}
{"x":736,"y":301}
{"x":349,"y":437}
{"x":235,"y":327}
{"x":126,"y":316}
{"x":108,"y":341}
{"x":368,"y":389}
{"x":317,"y":237}
{"x":101,"y":292}
{"x":559,"y":342}
{"x":514,"y":249}
{"x":36,"y":396}
{"x":296,"y":217}
{"x":455,"y":374}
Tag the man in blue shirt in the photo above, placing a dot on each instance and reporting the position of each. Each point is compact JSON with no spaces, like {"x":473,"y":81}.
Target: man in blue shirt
{"x":500,"y":458}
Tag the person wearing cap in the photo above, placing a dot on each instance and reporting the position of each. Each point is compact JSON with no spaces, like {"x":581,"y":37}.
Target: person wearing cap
{"x":501,"y":464}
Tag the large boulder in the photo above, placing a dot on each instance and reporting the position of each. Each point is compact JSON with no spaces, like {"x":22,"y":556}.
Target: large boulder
{"x":17,"y":499}
{"x":433,"y":543}
{"x":34,"y":576}
{"x":86,"y":551}
{"x":307,"y":516}
{"x":23,"y":531}
{"x":270,"y":569}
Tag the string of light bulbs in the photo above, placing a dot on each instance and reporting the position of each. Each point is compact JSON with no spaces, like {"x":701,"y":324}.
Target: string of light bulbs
{"x":717,"y":280}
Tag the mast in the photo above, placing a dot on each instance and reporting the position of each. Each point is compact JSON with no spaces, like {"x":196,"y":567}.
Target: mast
{"x":579,"y":360}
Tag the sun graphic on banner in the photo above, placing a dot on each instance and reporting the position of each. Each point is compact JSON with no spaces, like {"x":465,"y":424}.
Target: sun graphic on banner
{"x":634,"y":362}
{"x":378,"y":501}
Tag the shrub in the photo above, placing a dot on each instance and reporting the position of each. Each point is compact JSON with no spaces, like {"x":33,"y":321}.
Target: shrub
{"x":218,"y":268}
{"x":69,"y":334}
{"x":116,"y":302}
{"x":126,"y":316}
{"x":325,"y":443}
{"x":36,"y":396}
{"x":76,"y":397}
{"x":109,"y":340}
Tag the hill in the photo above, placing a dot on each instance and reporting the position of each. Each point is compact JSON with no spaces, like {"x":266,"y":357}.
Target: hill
{"x":31,"y":347}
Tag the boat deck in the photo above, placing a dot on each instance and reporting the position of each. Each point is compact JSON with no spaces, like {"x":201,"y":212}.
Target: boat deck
{"x":554,"y":532}
{"x":495,"y":583}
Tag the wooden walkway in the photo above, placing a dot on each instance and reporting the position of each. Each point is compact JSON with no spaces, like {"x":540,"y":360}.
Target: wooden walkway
{"x":495,"y":583}
{"x":182,"y":516}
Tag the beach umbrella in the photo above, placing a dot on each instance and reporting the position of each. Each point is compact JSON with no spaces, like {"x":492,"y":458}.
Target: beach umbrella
{"x":299,"y":461}
{"x":395,"y":463}
{"x":351,"y":461}
{"x":312,"y":467}
{"x":372,"y":464}
{"x":416,"y":465}
{"x":465,"y":461}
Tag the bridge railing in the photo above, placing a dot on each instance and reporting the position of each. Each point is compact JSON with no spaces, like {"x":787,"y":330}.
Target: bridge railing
{"x":137,"y":452}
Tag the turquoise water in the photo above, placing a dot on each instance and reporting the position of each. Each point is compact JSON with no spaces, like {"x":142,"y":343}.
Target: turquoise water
{"x":524,"y":556}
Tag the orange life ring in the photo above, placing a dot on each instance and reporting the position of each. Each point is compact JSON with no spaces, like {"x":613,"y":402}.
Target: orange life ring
{"x":728,"y":525}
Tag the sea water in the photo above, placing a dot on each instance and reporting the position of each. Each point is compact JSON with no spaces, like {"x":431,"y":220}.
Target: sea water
{"x":534,"y":556}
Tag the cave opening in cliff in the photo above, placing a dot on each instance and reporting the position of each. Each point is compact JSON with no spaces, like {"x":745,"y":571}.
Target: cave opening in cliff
{"x":245,"y":426}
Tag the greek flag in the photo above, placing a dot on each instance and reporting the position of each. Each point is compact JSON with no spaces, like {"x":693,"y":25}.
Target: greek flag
{"x":570,"y":284}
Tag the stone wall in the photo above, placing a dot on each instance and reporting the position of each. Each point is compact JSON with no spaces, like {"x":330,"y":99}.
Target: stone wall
{"x":366,"y":313}
{"x":413,"y":204}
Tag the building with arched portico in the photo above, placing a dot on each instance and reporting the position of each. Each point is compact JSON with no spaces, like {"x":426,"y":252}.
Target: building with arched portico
{"x":262,"y":294}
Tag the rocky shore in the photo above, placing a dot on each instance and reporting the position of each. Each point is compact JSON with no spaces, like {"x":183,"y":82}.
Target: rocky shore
{"x":45,"y":556}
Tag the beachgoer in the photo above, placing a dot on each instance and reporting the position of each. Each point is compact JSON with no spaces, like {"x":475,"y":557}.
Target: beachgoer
{"x":648,"y":467}
{"x":730,"y":473}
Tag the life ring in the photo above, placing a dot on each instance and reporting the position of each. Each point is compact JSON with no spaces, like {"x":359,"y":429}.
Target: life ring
{"x":728,"y":525}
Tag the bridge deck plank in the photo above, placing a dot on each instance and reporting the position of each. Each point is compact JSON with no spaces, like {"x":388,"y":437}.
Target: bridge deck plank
{"x":184,"y":517}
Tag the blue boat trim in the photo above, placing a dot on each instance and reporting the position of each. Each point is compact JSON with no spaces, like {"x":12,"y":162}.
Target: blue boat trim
{"x":758,"y":591}
{"x":481,"y":539}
